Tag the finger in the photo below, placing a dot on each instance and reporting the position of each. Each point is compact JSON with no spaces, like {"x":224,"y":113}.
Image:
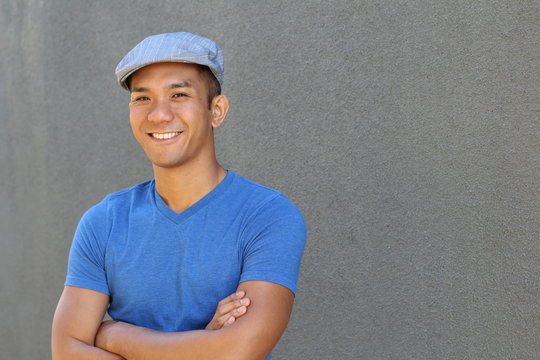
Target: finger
{"x":229,"y":318}
{"x":235,"y":314}
{"x":235,"y":296}
{"x":227,"y":308}
{"x":222,"y":320}
{"x":231,"y":321}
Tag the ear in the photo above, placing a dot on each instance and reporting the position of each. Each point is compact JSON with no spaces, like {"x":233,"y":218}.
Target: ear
{"x":219,"y":109}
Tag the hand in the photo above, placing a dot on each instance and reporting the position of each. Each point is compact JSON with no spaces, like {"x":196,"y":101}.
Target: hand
{"x":228,"y":310}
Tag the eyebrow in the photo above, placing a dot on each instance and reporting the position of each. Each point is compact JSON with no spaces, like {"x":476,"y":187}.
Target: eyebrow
{"x":181,"y":84}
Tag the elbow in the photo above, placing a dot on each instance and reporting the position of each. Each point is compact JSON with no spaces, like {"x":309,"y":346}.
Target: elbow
{"x":61,"y":348}
{"x":58,"y":345}
{"x":67,"y":347}
{"x":62,"y":344}
{"x":58,"y":352}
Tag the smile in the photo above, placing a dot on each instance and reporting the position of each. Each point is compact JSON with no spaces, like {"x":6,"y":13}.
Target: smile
{"x":165,"y":136}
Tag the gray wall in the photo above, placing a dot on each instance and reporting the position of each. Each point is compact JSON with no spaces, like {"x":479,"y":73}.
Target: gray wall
{"x":407,"y":131}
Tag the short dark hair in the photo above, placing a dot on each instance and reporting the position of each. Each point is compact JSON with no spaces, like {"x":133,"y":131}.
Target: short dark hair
{"x":212,"y":84}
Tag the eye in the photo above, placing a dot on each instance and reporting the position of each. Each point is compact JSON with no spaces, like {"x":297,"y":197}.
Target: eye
{"x":179,"y":95}
{"x":140,"y":98}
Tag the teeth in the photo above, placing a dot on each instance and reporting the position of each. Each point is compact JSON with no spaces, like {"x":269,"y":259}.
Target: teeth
{"x":165,"y":135}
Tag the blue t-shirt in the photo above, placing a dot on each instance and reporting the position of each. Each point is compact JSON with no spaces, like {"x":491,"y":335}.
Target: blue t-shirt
{"x":167,"y":271}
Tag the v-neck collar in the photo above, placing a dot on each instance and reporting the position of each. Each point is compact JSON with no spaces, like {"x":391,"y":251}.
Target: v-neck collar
{"x":179,"y":217}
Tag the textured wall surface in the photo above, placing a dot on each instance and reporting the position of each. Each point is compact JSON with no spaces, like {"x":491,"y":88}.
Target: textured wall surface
{"x":407,"y":131}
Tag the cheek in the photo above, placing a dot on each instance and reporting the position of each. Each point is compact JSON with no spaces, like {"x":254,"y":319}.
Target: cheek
{"x":136,"y":117}
{"x":136,"y":128}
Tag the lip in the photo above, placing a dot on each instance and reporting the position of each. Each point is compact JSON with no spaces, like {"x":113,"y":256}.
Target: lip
{"x":165,"y":140}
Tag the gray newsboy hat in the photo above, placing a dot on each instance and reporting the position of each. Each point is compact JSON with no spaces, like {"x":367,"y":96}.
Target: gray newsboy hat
{"x":171,"y":47}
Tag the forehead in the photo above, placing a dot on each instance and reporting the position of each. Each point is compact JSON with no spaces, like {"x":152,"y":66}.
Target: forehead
{"x":166,"y":73}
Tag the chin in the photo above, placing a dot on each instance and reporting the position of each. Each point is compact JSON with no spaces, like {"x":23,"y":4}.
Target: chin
{"x":166,"y":161}
{"x":167,"y":165}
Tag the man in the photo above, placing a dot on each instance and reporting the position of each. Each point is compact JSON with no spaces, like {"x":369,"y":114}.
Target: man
{"x":161,"y":255}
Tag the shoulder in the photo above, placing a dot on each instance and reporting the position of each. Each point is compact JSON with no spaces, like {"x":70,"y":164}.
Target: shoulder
{"x":131,"y":193}
{"x":263,"y":205}
{"x":260,"y":197}
{"x":117,"y":201}
{"x":250,"y":186}
{"x":273,"y":237}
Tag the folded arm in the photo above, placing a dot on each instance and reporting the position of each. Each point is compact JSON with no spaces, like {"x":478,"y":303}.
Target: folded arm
{"x":77,"y":318}
{"x":79,"y":314}
{"x":250,"y":337}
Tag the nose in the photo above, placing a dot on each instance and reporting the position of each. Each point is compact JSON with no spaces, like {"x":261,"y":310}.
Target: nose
{"x":161,"y":112}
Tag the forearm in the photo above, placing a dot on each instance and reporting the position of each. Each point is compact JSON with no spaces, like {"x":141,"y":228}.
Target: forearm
{"x":138,"y":343}
{"x":251,"y":337}
{"x":71,"y":348}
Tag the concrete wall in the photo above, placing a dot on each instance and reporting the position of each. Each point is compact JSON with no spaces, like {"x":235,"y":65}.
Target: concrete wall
{"x":407,"y":131}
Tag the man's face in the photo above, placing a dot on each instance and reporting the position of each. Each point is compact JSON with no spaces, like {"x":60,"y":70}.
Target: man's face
{"x":169,"y":114}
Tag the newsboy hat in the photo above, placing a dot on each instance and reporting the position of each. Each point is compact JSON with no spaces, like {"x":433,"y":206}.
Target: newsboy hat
{"x":171,"y":47}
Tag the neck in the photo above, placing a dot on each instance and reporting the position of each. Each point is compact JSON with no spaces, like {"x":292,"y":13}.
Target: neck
{"x":182,"y":187}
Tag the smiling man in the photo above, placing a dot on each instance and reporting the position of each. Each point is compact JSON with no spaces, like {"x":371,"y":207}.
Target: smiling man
{"x":197,"y":263}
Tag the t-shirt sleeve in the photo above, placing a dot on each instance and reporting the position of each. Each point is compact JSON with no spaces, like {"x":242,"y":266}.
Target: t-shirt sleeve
{"x":275,"y":240}
{"x":86,"y":262}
